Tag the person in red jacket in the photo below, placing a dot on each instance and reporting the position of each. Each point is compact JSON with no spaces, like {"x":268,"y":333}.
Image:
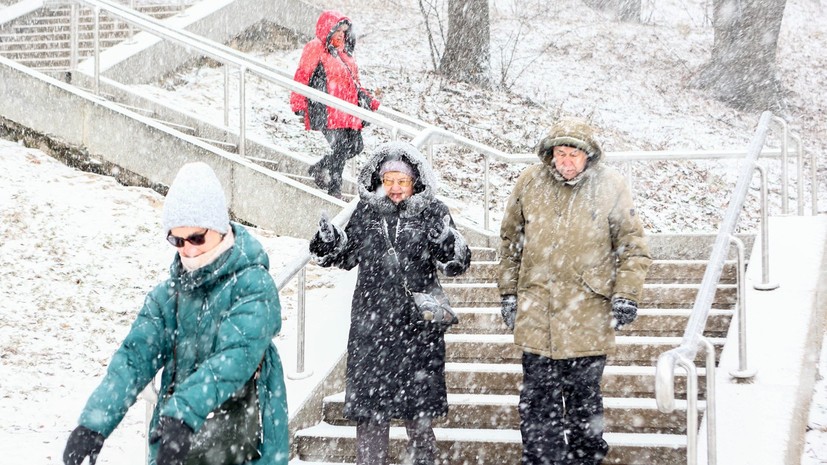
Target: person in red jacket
{"x":327,"y":65}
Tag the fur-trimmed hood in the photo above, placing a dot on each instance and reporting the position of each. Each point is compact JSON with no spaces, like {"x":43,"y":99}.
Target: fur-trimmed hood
{"x":572,"y":132}
{"x":370,"y":183}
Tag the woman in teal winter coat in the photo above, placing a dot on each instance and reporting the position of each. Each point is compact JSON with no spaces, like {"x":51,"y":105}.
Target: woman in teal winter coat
{"x":209,"y":326}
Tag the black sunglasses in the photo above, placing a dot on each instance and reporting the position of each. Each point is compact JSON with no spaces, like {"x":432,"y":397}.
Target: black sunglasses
{"x":194,"y":239}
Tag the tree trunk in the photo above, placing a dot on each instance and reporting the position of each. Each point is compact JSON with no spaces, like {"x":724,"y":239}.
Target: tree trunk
{"x":742,"y":71}
{"x":629,"y":10}
{"x":467,"y":47}
{"x":624,"y":10}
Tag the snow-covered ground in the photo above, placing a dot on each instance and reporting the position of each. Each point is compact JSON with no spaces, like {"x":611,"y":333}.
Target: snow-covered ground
{"x":79,"y":254}
{"x":80,"y":251}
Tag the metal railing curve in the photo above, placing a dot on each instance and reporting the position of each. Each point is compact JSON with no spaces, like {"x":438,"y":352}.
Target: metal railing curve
{"x":693,"y":340}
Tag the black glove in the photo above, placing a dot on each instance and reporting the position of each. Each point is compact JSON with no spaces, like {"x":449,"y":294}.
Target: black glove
{"x":509,"y":310}
{"x":299,"y":113}
{"x":438,"y":231}
{"x":325,"y":241}
{"x":327,"y":233}
{"x":82,"y":443}
{"x":174,"y":440}
{"x":624,"y":312}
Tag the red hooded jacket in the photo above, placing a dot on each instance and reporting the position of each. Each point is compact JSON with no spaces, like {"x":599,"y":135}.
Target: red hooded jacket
{"x":330,"y":70}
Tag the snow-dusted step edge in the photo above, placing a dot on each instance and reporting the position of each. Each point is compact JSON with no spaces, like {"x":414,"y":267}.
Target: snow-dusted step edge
{"x":620,"y":340}
{"x":516,"y":368}
{"x":500,"y":436}
{"x":513,"y":400}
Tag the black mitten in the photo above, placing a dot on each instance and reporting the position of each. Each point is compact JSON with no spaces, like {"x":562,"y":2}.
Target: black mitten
{"x":326,"y":239}
{"x":624,"y":312}
{"x":509,"y":310}
{"x":82,"y":443}
{"x":439,"y":230}
{"x":174,"y":440}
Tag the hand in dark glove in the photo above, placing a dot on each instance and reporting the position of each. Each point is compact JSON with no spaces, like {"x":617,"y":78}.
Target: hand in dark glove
{"x":327,"y":233}
{"x":82,"y":443}
{"x":509,"y":310}
{"x":624,"y":312}
{"x":174,"y":440}
{"x":299,"y":113}
{"x":440,"y":230}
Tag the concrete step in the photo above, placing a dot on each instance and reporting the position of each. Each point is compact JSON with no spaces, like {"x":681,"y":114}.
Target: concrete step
{"x":83,"y":27}
{"x":61,"y":50}
{"x":60,"y":11}
{"x":484,"y":254}
{"x":335,"y":443}
{"x":499,"y":411}
{"x":505,"y":378}
{"x":649,"y":322}
{"x":500,"y":348}
{"x":86,"y":36}
{"x":661,"y":271}
{"x":654,"y":295}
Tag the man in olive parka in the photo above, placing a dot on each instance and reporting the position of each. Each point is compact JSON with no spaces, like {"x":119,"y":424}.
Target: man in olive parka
{"x":209,"y":326}
{"x":573,"y":262}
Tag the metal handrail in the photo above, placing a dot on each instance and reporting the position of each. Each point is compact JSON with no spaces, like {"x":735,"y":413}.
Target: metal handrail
{"x":693,"y":339}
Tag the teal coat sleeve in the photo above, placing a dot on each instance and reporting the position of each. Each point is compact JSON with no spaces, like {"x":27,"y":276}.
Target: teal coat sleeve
{"x":132,"y":367}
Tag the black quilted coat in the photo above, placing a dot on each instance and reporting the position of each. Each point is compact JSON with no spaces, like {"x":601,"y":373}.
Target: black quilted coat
{"x":396,"y":364}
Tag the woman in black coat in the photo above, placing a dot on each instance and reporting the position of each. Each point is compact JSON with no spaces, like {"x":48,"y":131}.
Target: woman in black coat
{"x":396,"y":359}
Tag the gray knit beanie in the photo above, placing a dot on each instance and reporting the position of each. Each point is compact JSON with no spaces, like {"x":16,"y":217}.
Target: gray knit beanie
{"x":398,"y":166}
{"x":196,"y":199}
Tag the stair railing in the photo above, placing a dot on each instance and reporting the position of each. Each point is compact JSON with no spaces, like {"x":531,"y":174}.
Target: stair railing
{"x":693,"y":339}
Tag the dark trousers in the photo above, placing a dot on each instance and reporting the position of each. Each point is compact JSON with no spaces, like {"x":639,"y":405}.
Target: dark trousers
{"x":561,"y":411}
{"x":345,"y":144}
{"x":372,"y":442}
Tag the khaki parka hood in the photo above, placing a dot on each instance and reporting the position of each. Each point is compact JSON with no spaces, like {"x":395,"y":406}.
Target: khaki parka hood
{"x":571,"y":132}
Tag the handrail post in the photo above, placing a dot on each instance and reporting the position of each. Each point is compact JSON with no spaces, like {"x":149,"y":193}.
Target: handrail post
{"x":131,"y":28}
{"x":150,"y":395}
{"x":487,"y":195}
{"x":814,"y":181}
{"x":765,"y":284}
{"x":226,"y":95}
{"x":799,"y":172}
{"x":785,"y":201}
{"x":73,"y":36}
{"x":242,"y":111}
{"x":97,"y":33}
{"x":711,"y":415}
{"x":742,"y":372}
{"x":301,"y":373}
{"x":691,"y":410}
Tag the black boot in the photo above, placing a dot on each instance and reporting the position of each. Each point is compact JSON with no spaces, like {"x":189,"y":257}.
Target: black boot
{"x":320,"y":175}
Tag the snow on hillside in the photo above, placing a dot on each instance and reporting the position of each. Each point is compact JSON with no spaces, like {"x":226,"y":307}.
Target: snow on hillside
{"x":630,"y":79}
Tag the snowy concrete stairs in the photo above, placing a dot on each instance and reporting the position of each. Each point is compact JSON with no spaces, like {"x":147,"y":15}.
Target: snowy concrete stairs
{"x":483,"y":375}
{"x":42,"y":39}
